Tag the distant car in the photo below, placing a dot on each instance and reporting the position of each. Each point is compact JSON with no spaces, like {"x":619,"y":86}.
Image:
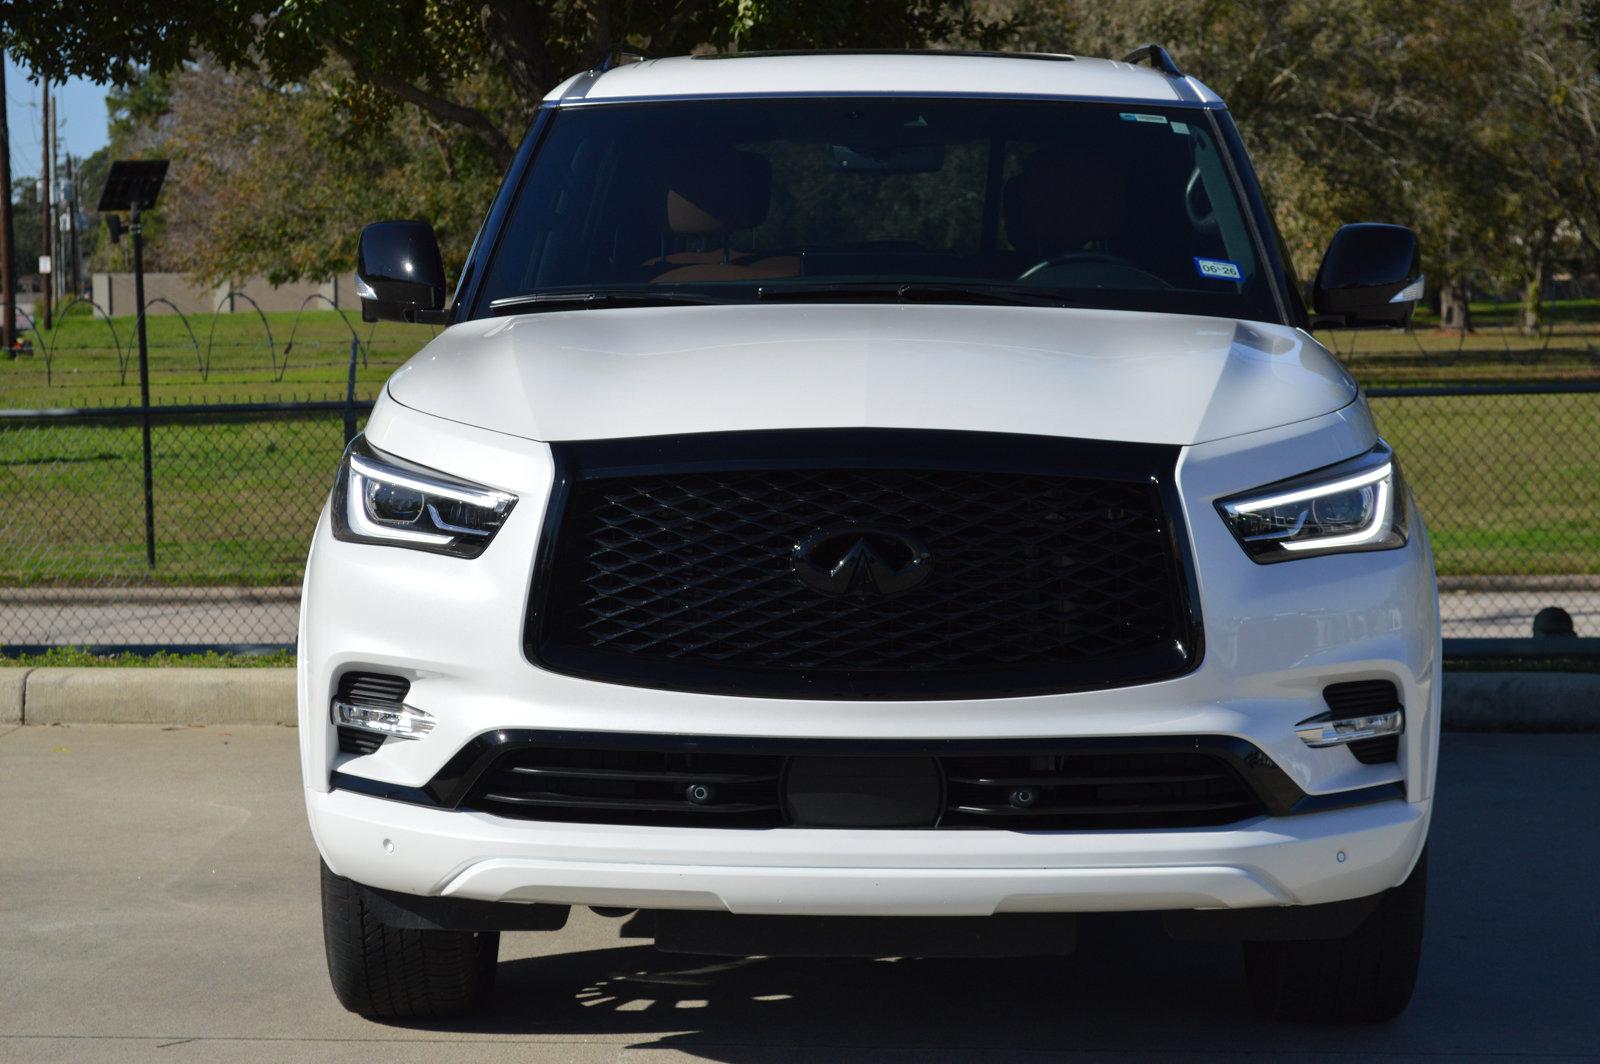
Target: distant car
{"x":873,"y":504}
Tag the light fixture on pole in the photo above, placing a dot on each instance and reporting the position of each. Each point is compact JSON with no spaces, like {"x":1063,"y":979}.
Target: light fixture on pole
{"x":132,"y":186}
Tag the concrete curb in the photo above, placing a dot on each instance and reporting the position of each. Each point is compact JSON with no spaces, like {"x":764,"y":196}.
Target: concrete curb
{"x":1473,"y":701}
{"x":158,"y":696}
{"x":1522,"y":701}
{"x":13,"y":682}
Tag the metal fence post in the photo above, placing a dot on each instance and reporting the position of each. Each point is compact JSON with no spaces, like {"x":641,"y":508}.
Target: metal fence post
{"x":136,"y":227}
{"x":350,"y":396}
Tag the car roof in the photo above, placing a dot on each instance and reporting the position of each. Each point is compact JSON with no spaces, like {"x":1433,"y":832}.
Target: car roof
{"x":865,"y":73}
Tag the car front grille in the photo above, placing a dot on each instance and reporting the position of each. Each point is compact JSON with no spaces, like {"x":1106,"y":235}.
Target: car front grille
{"x":1038,"y":785}
{"x":1045,"y":564}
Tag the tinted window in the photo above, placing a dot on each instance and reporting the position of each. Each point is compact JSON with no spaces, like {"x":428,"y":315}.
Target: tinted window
{"x":1105,"y":205}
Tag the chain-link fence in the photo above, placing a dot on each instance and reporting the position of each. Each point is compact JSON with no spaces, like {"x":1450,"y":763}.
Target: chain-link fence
{"x":1508,"y":480}
{"x":235,"y":493}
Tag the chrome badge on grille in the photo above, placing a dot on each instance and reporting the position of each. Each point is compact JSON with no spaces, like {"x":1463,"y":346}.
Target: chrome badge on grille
{"x":856,"y":562}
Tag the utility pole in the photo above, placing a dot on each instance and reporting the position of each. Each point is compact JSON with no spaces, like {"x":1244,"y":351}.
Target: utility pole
{"x":44,"y":203}
{"x":8,"y":258}
{"x":73,"y":198}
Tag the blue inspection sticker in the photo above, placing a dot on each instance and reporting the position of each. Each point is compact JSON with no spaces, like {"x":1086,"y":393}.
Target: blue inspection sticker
{"x":1128,"y":116}
{"x":1218,"y":269}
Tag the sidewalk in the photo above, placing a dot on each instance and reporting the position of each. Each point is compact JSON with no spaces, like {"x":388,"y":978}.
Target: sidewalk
{"x":140,"y":615}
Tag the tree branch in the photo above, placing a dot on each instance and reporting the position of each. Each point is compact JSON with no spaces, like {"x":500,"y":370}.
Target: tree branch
{"x":479,"y":123}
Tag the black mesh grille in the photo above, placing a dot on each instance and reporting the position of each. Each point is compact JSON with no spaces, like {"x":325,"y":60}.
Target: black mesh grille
{"x":1039,"y":576}
{"x":1083,"y":788}
{"x":1361,"y":697}
{"x":1091,"y":790}
{"x":368,"y":689}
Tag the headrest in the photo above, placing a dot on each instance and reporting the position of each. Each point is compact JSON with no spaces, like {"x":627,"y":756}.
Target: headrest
{"x":715,"y":192}
{"x":1064,"y":197}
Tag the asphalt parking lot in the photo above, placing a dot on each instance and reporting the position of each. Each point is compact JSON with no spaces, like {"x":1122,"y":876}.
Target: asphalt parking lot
{"x":158,"y":901}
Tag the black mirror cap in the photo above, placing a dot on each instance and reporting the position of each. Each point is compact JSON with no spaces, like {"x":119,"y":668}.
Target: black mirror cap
{"x":399,"y":273}
{"x":1370,"y":275}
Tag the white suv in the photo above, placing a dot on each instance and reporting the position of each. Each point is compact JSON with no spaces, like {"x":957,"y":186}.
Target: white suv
{"x":874,"y":504}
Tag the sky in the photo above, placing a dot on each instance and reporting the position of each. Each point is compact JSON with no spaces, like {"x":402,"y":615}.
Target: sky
{"x":81,"y":111}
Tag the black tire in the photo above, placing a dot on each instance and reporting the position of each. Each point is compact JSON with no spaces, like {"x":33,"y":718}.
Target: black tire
{"x":396,"y":973}
{"x":1367,"y":976}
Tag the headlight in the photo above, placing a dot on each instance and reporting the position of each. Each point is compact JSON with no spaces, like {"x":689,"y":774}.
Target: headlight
{"x":1353,"y":506}
{"x":379,"y":498}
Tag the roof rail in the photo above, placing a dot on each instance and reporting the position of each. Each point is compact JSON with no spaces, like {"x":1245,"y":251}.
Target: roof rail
{"x":1157,"y":57}
{"x":616,"y":57}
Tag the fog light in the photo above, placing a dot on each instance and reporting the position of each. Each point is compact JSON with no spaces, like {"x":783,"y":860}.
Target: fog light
{"x":1321,"y":730}
{"x":402,"y":721}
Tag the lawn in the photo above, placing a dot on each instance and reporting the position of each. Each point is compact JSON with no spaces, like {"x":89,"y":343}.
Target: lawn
{"x":1509,"y":485}
{"x":222,"y":358}
{"x":244,"y":357}
{"x":235,"y":501}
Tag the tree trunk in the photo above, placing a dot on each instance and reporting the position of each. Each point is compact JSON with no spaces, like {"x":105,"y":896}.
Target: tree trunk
{"x":1455,"y":314}
{"x":1533,"y":286}
{"x":1533,"y":303}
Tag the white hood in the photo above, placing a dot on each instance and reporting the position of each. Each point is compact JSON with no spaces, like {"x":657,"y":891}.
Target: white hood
{"x":1091,"y":374}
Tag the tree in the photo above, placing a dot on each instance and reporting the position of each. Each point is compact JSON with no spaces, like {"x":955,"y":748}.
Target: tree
{"x":279,"y":181}
{"x":1381,"y":110}
{"x":25,"y":213}
{"x":481,"y":65}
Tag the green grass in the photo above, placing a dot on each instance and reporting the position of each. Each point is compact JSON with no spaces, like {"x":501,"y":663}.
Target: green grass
{"x":1567,"y":349}
{"x":1554,"y":663}
{"x":235,"y":503}
{"x":228,"y":358}
{"x":1509,"y":485}
{"x":78,"y":658}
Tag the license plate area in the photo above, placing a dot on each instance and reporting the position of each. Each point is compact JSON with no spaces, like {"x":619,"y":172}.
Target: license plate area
{"x":863,"y":792}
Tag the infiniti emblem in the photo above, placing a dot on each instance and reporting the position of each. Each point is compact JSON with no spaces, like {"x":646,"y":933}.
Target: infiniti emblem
{"x":861,"y":562}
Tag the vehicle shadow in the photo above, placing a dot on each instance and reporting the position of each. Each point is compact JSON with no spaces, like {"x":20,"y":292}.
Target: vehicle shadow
{"x":1127,"y":989}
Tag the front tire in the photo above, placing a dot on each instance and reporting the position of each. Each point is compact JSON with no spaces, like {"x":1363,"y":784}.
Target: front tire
{"x":1366,"y":976}
{"x":395,"y":973}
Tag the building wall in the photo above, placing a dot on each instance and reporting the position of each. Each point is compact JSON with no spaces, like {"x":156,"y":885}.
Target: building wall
{"x":113,"y":294}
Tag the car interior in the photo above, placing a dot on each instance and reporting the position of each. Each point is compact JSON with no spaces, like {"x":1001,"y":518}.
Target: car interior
{"x":752,"y":195}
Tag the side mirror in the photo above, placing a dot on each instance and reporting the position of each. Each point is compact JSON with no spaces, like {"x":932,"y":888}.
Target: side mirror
{"x":1371,"y":275}
{"x":399,"y":274}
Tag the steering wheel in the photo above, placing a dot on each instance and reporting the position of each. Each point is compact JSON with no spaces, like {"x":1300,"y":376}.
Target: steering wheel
{"x":1089,"y":258}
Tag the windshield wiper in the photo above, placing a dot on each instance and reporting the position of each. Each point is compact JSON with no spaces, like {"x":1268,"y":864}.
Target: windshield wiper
{"x":604,"y":297}
{"x":911,"y":292}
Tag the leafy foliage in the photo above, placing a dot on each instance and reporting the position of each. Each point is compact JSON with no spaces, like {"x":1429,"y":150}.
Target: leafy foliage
{"x":1469,"y":122}
{"x":291,"y":122}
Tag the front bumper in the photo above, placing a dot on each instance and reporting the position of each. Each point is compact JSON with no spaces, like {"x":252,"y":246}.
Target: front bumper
{"x":1275,"y":636}
{"x":1301,"y":860}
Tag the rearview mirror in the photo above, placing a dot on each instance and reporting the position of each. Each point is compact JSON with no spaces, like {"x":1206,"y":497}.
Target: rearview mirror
{"x":399,"y":274}
{"x":1370,"y":275}
{"x":892,"y":159}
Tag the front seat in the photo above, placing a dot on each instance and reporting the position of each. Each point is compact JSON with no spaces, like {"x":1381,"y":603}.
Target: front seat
{"x":1066,"y":198}
{"x":703,"y":199}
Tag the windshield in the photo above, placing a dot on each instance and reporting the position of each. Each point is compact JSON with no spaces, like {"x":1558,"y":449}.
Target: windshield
{"x":1120,"y":206}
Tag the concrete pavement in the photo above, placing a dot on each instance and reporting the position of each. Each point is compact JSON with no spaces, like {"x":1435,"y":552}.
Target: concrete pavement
{"x":158,"y":902}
